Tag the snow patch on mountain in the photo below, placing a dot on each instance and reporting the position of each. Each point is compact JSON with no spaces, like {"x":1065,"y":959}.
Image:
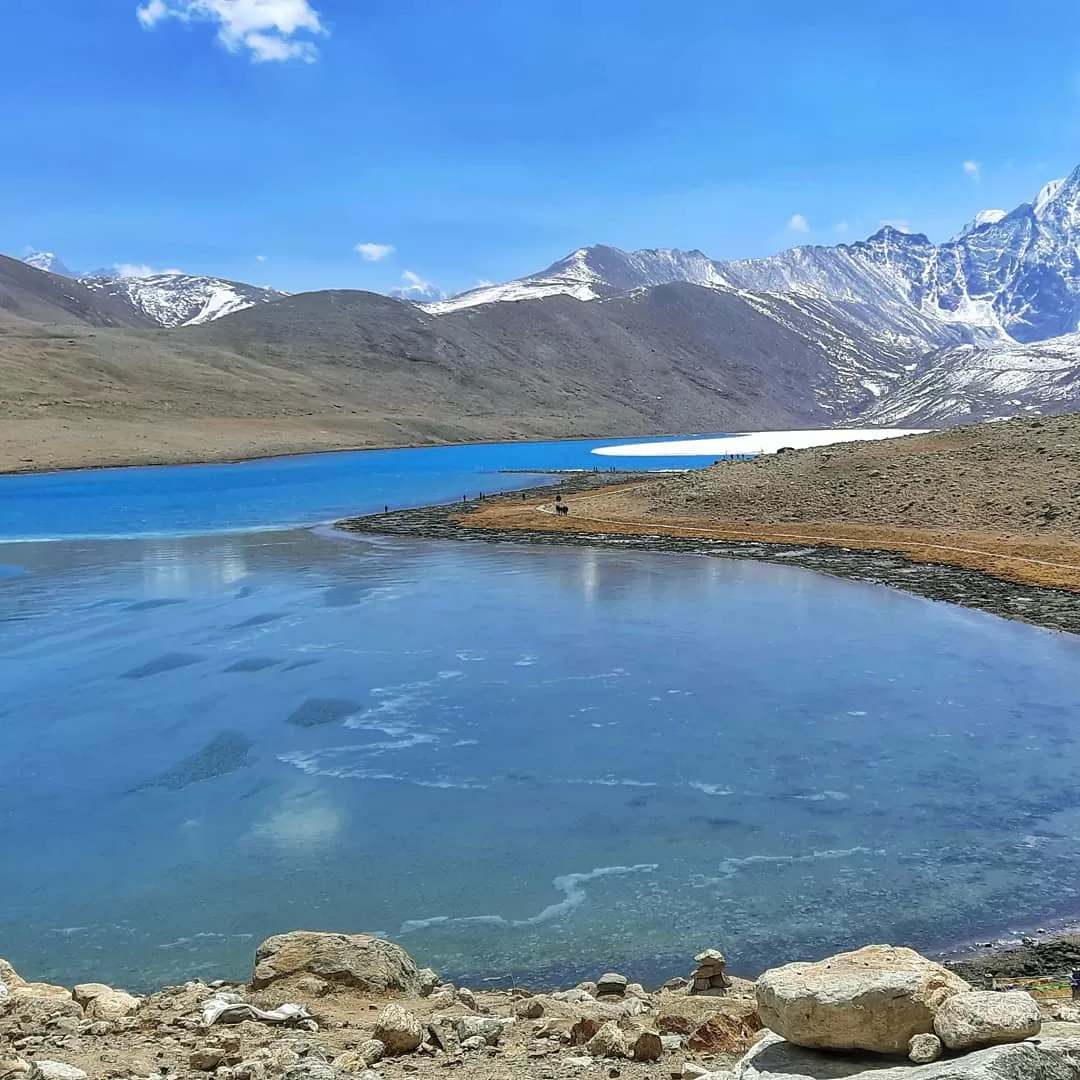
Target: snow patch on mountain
{"x":175,"y":299}
{"x":972,"y":383}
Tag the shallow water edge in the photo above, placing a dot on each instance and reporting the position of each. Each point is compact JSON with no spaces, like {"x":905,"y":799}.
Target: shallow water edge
{"x":1051,"y":609}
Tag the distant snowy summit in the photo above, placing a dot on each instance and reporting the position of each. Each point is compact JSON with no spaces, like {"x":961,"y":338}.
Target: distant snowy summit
{"x":168,"y":299}
{"x":593,"y":273}
{"x":47,"y":261}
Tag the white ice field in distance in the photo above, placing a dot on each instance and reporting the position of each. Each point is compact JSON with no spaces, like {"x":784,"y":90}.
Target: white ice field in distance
{"x":754,"y":442}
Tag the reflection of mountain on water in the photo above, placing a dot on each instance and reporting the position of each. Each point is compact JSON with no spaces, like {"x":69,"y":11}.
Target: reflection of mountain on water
{"x":636,"y":578}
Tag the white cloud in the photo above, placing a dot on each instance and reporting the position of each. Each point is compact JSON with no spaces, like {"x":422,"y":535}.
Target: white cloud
{"x":375,"y":252}
{"x":260,"y":258}
{"x":841,"y":227}
{"x":267,"y":29}
{"x":973,"y":169}
{"x":414,"y":287}
{"x":483,"y":283}
{"x":140,"y":270}
{"x":899,"y":224}
{"x":798,"y":223}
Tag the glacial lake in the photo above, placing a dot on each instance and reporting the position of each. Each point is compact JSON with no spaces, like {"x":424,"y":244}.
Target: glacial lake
{"x":521,"y":763}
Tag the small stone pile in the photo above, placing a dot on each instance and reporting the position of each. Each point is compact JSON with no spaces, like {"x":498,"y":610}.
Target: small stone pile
{"x":709,"y":975}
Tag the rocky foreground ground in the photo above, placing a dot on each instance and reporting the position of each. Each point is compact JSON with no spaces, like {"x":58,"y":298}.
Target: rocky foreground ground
{"x":332,"y":1006}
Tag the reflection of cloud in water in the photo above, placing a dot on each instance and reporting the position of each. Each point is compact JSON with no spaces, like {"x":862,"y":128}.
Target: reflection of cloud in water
{"x":168,"y":567}
{"x":570,"y":885}
{"x":301,"y":826}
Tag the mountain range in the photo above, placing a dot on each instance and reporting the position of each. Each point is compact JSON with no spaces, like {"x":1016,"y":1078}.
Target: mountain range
{"x":891,"y":329}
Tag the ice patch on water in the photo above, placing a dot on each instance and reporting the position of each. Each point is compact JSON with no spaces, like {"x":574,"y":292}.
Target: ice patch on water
{"x":470,"y":655}
{"x":614,"y":673}
{"x":825,"y":796}
{"x":466,"y":742}
{"x":570,"y":885}
{"x":442,"y":676}
{"x":612,"y":781}
{"x":710,"y":789}
{"x":857,"y":712}
{"x":526,"y":661}
{"x":195,"y":939}
{"x":322,"y":763}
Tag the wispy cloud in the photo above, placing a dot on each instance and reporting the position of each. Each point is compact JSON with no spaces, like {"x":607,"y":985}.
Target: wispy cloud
{"x":375,"y":252}
{"x":841,"y":227}
{"x":414,"y":287}
{"x":798,"y":223}
{"x":260,"y":258}
{"x":140,"y":270}
{"x":899,"y":224}
{"x":268,"y":30}
{"x":974,"y":170}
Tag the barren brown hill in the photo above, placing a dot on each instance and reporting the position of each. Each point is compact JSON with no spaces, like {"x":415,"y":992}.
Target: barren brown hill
{"x":1001,"y":497}
{"x":340,"y":369}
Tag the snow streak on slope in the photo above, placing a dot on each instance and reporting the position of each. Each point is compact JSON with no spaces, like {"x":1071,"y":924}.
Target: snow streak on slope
{"x":968,"y":384}
{"x":175,"y":299}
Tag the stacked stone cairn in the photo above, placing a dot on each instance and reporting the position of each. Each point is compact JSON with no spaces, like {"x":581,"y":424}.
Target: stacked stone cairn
{"x":709,"y":976}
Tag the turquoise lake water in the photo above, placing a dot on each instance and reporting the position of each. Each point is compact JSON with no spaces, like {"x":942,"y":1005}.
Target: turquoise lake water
{"x":519,"y":762}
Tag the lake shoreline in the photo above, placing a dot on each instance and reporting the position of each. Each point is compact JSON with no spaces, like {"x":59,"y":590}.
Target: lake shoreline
{"x":1045,"y":607}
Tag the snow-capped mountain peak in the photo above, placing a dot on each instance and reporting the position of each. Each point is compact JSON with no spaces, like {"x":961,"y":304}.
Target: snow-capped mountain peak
{"x":47,"y":261}
{"x":983,"y":217}
{"x":174,"y":298}
{"x":595,"y":273}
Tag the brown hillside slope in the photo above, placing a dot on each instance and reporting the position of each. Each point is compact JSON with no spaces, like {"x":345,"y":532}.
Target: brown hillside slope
{"x":1003,"y":497}
{"x":337,"y":369}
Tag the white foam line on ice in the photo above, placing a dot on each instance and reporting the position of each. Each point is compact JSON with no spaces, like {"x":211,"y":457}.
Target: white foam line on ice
{"x":570,"y":885}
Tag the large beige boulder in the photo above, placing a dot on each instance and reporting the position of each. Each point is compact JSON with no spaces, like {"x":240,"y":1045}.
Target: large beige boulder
{"x":113,"y":1006}
{"x":875,"y":999}
{"x":9,"y":976}
{"x":987,"y":1018}
{"x":358,"y":960}
{"x":398,"y":1030}
{"x":103,"y":1002}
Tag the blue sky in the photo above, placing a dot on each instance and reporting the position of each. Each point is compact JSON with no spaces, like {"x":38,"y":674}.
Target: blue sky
{"x":481,"y":140}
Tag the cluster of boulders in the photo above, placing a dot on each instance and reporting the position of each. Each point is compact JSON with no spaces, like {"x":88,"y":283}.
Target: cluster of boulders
{"x":334,"y":1006}
{"x":326,"y":1006}
{"x":887,"y":1000}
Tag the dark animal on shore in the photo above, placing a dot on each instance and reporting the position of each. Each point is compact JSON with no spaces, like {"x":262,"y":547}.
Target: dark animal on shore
{"x":562,"y":508}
